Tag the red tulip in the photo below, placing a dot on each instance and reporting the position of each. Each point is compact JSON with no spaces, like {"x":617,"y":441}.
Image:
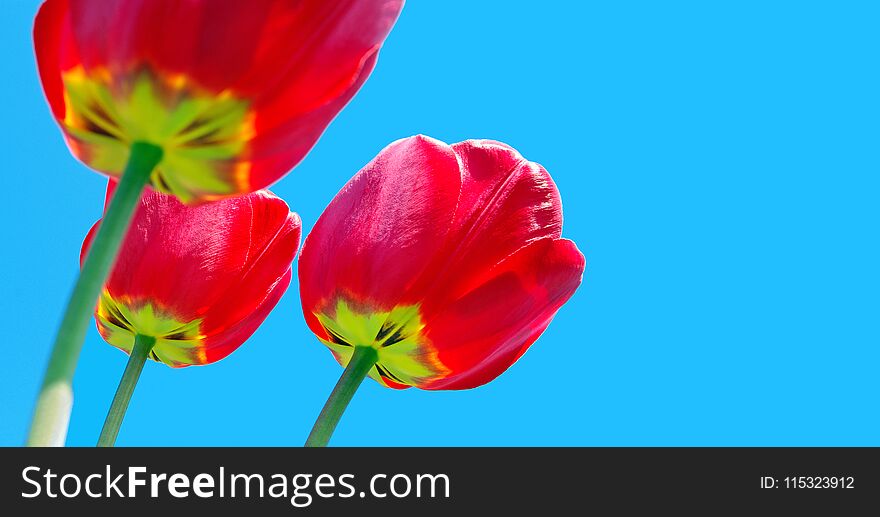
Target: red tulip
{"x":199,"y":279}
{"x":447,"y":260}
{"x":235,"y":92}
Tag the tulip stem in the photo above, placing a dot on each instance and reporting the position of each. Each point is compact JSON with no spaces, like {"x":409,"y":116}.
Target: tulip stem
{"x":52,"y":412}
{"x":139,"y":354}
{"x":362,"y":360}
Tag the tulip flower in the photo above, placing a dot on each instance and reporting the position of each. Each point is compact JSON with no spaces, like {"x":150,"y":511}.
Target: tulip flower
{"x":202,"y":99}
{"x":234,"y":92}
{"x":192,"y":283}
{"x":437,"y":267}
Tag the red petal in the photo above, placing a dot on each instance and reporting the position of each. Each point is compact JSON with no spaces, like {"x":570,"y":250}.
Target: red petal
{"x":506,"y":202}
{"x":312,"y":51}
{"x":485,"y":330}
{"x":212,"y":42}
{"x":308,"y":50}
{"x":281,"y":144}
{"x":50,"y":29}
{"x":319,"y":77}
{"x":380,"y":232}
{"x":220,"y":344}
{"x":260,"y":278}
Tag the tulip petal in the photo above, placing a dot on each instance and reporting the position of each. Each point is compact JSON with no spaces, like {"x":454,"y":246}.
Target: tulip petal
{"x":483,"y":332}
{"x":506,"y":202}
{"x":258,"y":280}
{"x":317,"y":50}
{"x":281,"y":144}
{"x":314,"y":48}
{"x":50,"y":29}
{"x":381,"y":231}
{"x":223,"y":341}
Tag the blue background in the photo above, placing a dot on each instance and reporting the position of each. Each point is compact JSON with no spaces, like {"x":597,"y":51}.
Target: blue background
{"x":719,"y":167}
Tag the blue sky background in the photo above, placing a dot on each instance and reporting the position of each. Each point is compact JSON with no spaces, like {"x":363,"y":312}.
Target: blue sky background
{"x":718,"y":162}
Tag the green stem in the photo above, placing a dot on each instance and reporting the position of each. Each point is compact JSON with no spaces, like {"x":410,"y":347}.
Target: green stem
{"x":52,"y":412}
{"x":359,"y":365}
{"x":139,"y":354}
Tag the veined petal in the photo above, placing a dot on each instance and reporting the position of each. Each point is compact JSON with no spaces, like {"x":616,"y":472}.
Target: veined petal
{"x":485,"y":330}
{"x":223,"y":341}
{"x":506,"y":202}
{"x":381,"y":231}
